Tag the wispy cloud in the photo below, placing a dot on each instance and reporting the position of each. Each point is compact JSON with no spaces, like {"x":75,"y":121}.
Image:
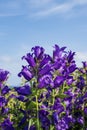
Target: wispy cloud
{"x":38,"y":7}
{"x":60,"y":8}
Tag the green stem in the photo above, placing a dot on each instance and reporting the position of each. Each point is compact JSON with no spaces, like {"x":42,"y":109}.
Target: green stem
{"x":37,"y":108}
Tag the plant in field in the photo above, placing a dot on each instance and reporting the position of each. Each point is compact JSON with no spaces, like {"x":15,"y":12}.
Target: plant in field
{"x":53,"y":94}
{"x":47,"y":77}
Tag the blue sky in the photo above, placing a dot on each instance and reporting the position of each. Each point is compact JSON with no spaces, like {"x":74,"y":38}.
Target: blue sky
{"x":26,"y":23}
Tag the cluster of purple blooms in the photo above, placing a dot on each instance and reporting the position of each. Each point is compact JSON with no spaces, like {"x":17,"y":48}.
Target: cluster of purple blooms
{"x":53,"y":93}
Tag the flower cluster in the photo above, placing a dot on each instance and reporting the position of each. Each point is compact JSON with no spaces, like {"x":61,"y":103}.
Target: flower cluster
{"x":53,"y":94}
{"x":4,"y":110}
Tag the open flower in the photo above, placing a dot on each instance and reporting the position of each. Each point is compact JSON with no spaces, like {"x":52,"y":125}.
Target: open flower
{"x":25,"y":72}
{"x":3,"y":75}
{"x":7,"y":125}
{"x":29,"y":58}
{"x":23,"y":90}
{"x":38,"y":52}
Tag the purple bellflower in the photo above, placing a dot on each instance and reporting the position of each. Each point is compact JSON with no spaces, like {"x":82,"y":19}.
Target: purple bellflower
{"x":38,"y":52}
{"x":24,"y":90}
{"x":7,"y":125}
{"x":57,"y":53}
{"x":3,"y":75}
{"x":29,"y":58}
{"x":25,"y":72}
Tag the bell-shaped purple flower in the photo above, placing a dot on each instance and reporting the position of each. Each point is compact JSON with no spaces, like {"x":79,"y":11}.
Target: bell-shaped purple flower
{"x":24,"y":90}
{"x":69,"y":80}
{"x":3,"y":75}
{"x":81,"y":82}
{"x":5,"y":90}
{"x":45,"y":60}
{"x":43,"y":113}
{"x":2,"y":101}
{"x":29,"y":58}
{"x":70,"y":92}
{"x":7,"y":125}
{"x":56,"y":65}
{"x":58,"y":81}
{"x":45,"y":80}
{"x":45,"y":122}
{"x":62,"y":125}
{"x":58,"y":106}
{"x":80,"y":120}
{"x":70,"y":56}
{"x":85,"y":64}
{"x":22,"y":98}
{"x":55,"y":117}
{"x":72,"y":68}
{"x":38,"y":52}
{"x":57,"y":53}
{"x":25,"y":72}
{"x":45,"y":70}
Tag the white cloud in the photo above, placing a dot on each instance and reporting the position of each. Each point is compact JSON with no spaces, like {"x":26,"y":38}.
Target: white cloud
{"x":38,"y":7}
{"x":60,"y":8}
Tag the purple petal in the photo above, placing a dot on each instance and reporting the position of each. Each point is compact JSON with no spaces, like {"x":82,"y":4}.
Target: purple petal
{"x":24,"y":90}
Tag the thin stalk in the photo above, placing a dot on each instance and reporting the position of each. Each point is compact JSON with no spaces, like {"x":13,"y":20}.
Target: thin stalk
{"x":29,"y":124}
{"x":37,"y":108}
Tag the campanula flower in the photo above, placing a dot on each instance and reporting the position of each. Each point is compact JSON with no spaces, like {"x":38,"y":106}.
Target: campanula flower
{"x":45,"y":60}
{"x":23,"y":90}
{"x":29,"y":58}
{"x":7,"y":125}
{"x":58,"y":81}
{"x":85,"y":64}
{"x":70,"y":56}
{"x":5,"y":90}
{"x":55,"y":117}
{"x":57,"y":53}
{"x":2,"y":101}
{"x":45,"y":80}
{"x":38,"y":52}
{"x":45,"y":70}
{"x":25,"y":72}
{"x":3,"y":75}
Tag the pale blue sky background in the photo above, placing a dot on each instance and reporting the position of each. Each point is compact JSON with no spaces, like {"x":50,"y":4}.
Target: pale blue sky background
{"x":26,"y":23}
